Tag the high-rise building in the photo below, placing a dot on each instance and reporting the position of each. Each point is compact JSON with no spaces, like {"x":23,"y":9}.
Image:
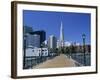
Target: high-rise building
{"x":32,"y":40}
{"x":28,"y":40}
{"x":27,"y":29}
{"x":52,"y":42}
{"x":42,"y":35}
{"x":61,"y":36}
{"x":58,"y":43}
{"x":36,"y":41}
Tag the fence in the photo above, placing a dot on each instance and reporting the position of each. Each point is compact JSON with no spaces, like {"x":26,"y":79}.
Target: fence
{"x":79,"y":57}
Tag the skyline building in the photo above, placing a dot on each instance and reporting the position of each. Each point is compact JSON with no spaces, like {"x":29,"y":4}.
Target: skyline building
{"x":28,"y":40}
{"x":27,"y":29}
{"x":36,"y":41}
{"x":33,"y":41}
{"x":29,"y":36}
{"x":52,"y":42}
{"x":61,"y":35}
{"x":58,"y":43}
{"x":42,"y":35}
{"x":26,"y":35}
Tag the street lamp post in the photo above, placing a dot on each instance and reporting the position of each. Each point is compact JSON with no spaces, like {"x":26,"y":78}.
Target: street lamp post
{"x":84,"y":36}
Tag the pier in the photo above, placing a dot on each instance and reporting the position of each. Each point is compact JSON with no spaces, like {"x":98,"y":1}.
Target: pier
{"x":59,"y":61}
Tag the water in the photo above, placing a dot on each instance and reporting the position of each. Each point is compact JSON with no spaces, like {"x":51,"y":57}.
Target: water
{"x":79,"y":57}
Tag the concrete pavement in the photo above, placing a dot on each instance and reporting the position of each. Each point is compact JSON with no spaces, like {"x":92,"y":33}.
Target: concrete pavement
{"x":59,"y":61}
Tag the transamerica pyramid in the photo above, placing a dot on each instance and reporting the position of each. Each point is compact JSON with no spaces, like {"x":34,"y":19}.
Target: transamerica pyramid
{"x":61,"y":35}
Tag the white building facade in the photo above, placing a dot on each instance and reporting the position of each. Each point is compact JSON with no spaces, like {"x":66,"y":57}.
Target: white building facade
{"x":52,"y":42}
{"x":37,"y":52}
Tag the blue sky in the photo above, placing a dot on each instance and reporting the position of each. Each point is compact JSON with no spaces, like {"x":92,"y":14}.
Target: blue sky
{"x":74,"y":24}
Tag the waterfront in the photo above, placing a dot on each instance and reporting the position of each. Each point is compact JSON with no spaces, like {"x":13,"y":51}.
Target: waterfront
{"x":43,"y":44}
{"x":50,"y":61}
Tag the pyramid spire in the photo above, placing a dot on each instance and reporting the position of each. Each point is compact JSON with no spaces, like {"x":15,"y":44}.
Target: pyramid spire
{"x":61,"y":35}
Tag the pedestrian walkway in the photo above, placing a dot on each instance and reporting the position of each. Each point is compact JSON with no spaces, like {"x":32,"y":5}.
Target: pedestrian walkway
{"x":59,"y":61}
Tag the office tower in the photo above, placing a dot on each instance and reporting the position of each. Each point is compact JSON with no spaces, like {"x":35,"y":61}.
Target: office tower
{"x":42,"y":36}
{"x":28,"y":40}
{"x":61,"y":36}
{"x":27,"y":29}
{"x":36,"y":41}
{"x":52,"y":42}
{"x":33,"y":40}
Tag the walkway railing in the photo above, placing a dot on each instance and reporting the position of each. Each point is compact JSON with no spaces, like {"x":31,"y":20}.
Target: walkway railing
{"x":79,"y":58}
{"x":31,"y":61}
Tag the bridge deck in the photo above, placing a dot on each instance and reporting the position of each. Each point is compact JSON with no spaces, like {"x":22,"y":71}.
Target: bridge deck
{"x":59,"y":61}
